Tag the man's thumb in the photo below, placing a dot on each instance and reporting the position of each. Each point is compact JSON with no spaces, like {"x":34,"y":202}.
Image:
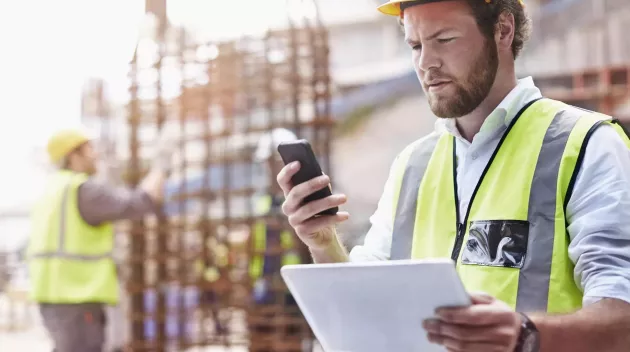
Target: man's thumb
{"x":481,"y":298}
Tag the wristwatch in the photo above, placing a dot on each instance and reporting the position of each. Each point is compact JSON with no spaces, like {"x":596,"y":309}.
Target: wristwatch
{"x":529,"y":339}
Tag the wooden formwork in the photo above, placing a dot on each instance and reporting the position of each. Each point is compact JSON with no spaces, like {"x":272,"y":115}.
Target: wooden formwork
{"x":221,"y":97}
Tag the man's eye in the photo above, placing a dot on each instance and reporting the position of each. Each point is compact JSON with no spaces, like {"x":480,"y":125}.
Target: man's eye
{"x":445,"y":40}
{"x":417,"y":47}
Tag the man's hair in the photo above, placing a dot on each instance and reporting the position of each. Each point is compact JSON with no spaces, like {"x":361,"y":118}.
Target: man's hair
{"x":487,"y":17}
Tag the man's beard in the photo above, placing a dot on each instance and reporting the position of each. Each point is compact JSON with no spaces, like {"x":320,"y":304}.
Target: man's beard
{"x":469,"y":94}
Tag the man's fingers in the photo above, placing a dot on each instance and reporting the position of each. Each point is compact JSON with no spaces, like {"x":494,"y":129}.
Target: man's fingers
{"x":284,"y":176}
{"x":310,"y":209}
{"x":479,"y":315}
{"x":317,"y":224}
{"x":298,"y":193}
{"x":487,"y":325}
{"x":501,"y":333}
{"x":453,"y":345}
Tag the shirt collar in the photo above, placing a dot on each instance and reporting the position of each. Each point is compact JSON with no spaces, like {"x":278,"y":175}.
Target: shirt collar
{"x":524,"y":92}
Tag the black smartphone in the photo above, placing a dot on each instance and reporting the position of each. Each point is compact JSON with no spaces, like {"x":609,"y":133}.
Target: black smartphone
{"x":301,"y":151}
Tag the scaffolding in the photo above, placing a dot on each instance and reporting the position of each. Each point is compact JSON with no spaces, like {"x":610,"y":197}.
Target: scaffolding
{"x":599,"y":89}
{"x":186,"y":271}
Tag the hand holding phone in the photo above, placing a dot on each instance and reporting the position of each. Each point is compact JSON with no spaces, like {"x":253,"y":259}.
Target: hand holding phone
{"x":302,"y":152}
{"x":311,"y":207}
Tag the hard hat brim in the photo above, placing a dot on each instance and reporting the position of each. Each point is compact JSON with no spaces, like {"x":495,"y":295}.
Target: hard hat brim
{"x":391,"y":8}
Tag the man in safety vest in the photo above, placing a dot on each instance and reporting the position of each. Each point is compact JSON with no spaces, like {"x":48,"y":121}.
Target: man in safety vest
{"x":72,"y":272}
{"x":529,"y":196}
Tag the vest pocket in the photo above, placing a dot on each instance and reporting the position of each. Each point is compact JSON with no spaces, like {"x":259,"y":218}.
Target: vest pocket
{"x":501,"y":243}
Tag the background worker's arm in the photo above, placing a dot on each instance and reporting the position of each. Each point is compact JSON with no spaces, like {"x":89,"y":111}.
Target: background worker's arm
{"x":100,"y":202}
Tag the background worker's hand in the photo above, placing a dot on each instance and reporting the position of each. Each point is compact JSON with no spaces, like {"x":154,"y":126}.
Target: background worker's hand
{"x":153,"y":184}
{"x":316,"y":233}
{"x":488,"y":325}
{"x":165,"y":145}
{"x":161,"y":164}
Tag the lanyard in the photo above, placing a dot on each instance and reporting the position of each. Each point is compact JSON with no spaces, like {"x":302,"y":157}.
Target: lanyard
{"x":461,"y":225}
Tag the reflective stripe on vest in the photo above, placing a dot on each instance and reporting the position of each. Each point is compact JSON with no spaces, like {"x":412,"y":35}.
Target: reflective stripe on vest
{"x":405,"y":207}
{"x":426,"y":200}
{"x":61,"y":250}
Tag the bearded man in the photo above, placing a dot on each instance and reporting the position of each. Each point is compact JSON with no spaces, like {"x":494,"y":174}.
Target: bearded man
{"x":530,"y":197}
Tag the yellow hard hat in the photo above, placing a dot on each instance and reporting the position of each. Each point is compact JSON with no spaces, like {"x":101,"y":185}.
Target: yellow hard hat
{"x":65,"y":141}
{"x":392,"y":7}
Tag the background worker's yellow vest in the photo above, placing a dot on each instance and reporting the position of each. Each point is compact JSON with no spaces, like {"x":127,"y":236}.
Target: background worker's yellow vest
{"x":259,"y":233}
{"x":513,"y":242}
{"x":69,"y":260}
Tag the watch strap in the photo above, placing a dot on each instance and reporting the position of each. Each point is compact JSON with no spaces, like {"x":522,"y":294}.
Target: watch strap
{"x":528,"y":328}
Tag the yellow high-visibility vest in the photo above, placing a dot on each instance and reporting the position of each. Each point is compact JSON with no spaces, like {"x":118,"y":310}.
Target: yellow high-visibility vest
{"x":513,"y":242}
{"x":70,"y":261}
{"x":259,"y":233}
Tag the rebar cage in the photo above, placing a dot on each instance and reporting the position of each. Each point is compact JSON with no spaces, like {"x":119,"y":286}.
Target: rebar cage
{"x":186,"y":271}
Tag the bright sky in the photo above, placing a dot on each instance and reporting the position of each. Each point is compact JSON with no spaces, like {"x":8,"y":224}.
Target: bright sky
{"x":50,"y":47}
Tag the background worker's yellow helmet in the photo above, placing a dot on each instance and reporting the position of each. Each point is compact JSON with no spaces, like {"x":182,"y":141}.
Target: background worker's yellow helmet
{"x":65,"y":141}
{"x":393,"y":7}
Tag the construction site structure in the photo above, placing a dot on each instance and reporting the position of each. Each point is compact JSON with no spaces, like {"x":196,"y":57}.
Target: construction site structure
{"x":186,"y":270}
{"x":605,"y":90}
{"x":578,"y":53}
{"x":575,"y":35}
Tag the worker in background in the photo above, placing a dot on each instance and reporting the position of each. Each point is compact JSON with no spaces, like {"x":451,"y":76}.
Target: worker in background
{"x":72,"y":272}
{"x":272,"y":244}
{"x":212,"y":268}
{"x":529,"y":196}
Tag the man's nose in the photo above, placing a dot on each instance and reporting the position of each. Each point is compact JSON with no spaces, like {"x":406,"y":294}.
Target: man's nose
{"x":428,"y":60}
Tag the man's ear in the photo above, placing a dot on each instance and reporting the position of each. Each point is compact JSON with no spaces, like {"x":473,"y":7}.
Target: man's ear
{"x":504,"y":31}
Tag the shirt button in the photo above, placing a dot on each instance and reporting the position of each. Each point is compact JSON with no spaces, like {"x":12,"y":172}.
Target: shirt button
{"x":475,"y":156}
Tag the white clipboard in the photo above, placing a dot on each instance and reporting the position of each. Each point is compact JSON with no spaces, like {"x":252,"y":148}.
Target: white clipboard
{"x":374,"y":306}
